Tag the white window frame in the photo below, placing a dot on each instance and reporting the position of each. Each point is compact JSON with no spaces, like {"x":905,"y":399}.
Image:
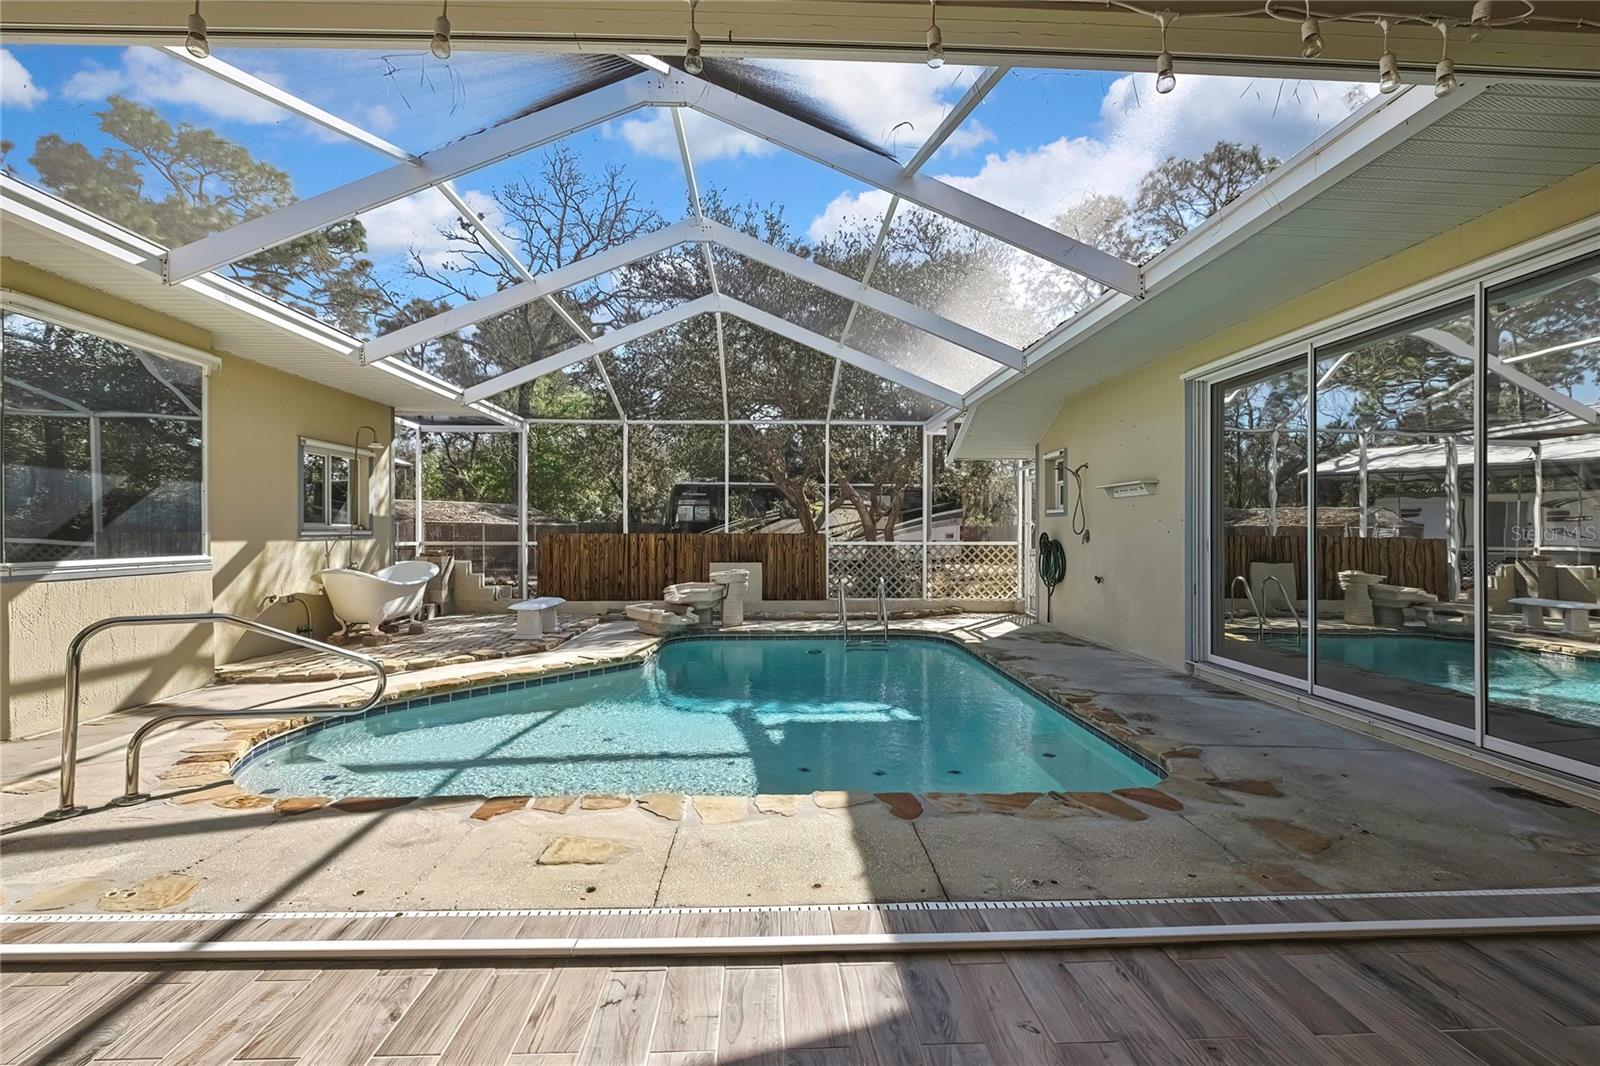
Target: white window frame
{"x":360,"y":490}
{"x":75,"y":569}
{"x":1055,"y":482}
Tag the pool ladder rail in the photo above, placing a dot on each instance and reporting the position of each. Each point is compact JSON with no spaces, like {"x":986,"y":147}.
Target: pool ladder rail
{"x":131,"y":794}
{"x":1261,"y":618}
{"x":881,"y":640}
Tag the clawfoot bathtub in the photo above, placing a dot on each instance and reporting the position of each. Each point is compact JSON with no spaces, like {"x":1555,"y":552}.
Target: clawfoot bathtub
{"x":360,"y":598}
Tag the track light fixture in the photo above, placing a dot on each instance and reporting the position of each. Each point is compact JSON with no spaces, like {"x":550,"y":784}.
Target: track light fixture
{"x":1388,"y":65}
{"x":1166,"y":81}
{"x":1444,"y":75}
{"x":935,"y":37}
{"x":1310,"y":35}
{"x":1479,"y":25}
{"x":196,"y":40}
{"x":693,"y":61}
{"x":440,"y":45}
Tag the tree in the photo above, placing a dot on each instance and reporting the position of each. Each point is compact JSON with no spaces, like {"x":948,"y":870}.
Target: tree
{"x":1181,"y":193}
{"x":178,"y":184}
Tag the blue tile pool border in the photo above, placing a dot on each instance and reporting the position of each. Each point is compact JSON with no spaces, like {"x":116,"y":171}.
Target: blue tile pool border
{"x":1062,"y":707}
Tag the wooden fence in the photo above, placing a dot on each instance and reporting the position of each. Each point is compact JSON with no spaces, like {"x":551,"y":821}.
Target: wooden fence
{"x":637,"y":566}
{"x":1414,"y":561}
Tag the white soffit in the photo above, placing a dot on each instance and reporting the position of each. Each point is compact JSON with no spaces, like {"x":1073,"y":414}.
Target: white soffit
{"x":45,"y":232}
{"x":1452,"y":161}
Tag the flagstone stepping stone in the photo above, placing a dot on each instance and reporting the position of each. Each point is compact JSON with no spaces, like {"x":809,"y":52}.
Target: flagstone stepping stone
{"x":492,"y":808}
{"x":1181,"y":753}
{"x":604,"y":803}
{"x":1152,"y":798}
{"x":784,"y":805}
{"x":192,"y":771}
{"x":1250,"y":786}
{"x":668,"y":805}
{"x":364,"y":804}
{"x":30,"y":786}
{"x":581,"y":851}
{"x":1567,"y":846}
{"x":210,"y":795}
{"x":243,"y":801}
{"x":901,"y":805}
{"x":1189,"y":788}
{"x":951,"y":802}
{"x":835,"y":801}
{"x":300,"y":804}
{"x":1294,"y":837}
{"x":720,"y":810}
{"x":65,"y":894}
{"x":1106,"y":803}
{"x":1007,"y":802}
{"x":551,"y":804}
{"x":158,"y":893}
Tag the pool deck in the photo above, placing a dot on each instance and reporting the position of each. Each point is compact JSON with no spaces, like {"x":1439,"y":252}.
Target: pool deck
{"x":1259,"y":800}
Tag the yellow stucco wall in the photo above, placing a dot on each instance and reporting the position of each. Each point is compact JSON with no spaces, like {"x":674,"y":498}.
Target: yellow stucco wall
{"x":256,"y":416}
{"x":1133,"y":426}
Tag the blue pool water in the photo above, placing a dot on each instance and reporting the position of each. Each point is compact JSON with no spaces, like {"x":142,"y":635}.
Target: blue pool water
{"x":719,"y":717}
{"x":1554,"y":685}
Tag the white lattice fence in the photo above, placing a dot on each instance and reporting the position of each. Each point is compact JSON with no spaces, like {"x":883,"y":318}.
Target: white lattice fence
{"x":972,"y":571}
{"x":900,"y":566}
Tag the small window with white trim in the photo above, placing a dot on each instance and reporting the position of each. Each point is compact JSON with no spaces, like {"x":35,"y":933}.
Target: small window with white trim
{"x":1055,"y":480}
{"x":335,"y":485}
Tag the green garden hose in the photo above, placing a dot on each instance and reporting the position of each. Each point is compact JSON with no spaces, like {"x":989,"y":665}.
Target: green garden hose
{"x":1052,"y":567}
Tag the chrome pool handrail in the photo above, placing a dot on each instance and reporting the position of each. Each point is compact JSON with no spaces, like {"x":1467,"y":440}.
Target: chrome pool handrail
{"x":883,"y":610}
{"x":131,"y":794}
{"x":1261,"y":620}
{"x":1299,"y":630}
{"x":844,"y":614}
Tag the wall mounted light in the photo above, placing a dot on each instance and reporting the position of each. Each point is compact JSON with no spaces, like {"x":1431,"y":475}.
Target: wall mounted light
{"x":197,"y":41}
{"x":440,"y":45}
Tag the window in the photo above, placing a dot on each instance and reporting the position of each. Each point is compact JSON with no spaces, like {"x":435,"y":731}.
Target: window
{"x":103,"y":448}
{"x":334,"y":482}
{"x":1055,"y":464}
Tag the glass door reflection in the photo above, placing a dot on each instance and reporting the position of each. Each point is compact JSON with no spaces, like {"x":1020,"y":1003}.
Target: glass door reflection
{"x":1258,"y":462}
{"x":1393,"y":502}
{"x":1542,"y":512}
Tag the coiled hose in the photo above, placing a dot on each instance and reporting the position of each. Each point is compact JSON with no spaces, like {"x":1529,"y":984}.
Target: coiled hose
{"x":1052,"y":567}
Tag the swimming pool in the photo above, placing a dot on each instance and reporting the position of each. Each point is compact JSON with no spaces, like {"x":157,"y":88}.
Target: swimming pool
{"x":716,"y":716}
{"x":1555,"y":685}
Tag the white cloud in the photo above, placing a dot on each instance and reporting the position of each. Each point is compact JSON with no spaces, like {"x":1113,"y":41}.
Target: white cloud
{"x":652,"y":134}
{"x":848,"y":209}
{"x":380,"y":119}
{"x":414,"y":223}
{"x":17,"y":87}
{"x":148,"y":77}
{"x":1140,"y":128}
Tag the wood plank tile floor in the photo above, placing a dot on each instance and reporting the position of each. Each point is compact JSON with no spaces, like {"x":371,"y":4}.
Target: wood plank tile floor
{"x":1513,"y":1000}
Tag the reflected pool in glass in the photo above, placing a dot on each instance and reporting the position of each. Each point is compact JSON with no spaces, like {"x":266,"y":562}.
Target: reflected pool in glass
{"x":720,"y":717}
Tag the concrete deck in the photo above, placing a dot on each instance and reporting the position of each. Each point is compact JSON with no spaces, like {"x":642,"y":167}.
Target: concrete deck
{"x":1259,"y":799}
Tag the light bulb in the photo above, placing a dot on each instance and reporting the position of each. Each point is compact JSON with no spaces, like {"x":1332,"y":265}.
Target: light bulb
{"x":1310,"y":38}
{"x":1166,"y":81}
{"x":196,"y":40}
{"x":1479,"y":26}
{"x":693,"y":61}
{"x":1388,"y":73}
{"x":1444,"y":78}
{"x":935,"y":47}
{"x":440,"y":46}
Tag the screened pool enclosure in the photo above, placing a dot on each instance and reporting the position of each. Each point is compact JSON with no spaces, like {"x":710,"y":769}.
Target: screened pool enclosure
{"x":734,"y":300}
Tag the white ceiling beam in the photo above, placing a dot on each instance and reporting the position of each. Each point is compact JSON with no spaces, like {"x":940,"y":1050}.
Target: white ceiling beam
{"x":705,"y":305}
{"x":271,"y":93}
{"x":589,"y":349}
{"x":542,"y":285}
{"x":957,"y":115}
{"x":814,"y":273}
{"x":397,"y":182}
{"x":842,"y":352}
{"x":866,"y":165}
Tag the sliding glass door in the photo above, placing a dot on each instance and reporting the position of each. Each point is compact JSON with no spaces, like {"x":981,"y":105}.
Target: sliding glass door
{"x":1404,"y":514}
{"x":1542,"y":514}
{"x":1258,"y":463}
{"x":1393,"y":503}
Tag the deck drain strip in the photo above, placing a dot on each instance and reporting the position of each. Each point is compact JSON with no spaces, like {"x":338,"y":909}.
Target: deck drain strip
{"x":478,"y":950}
{"x":795,"y":908}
